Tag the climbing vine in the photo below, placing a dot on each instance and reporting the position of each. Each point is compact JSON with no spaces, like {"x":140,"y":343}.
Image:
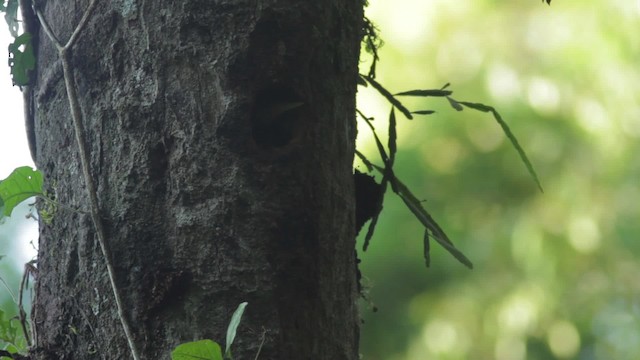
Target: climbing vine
{"x":64,"y":51}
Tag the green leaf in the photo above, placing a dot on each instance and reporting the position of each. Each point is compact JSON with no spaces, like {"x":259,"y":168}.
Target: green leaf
{"x":361,"y":81}
{"x":383,"y":153}
{"x":2,"y":216}
{"x":393,"y":136}
{"x":11,"y":16}
{"x":197,"y":350}
{"x":22,"y":61}
{"x":233,"y":327}
{"x":374,"y":219}
{"x":424,"y":217}
{"x":423,"y":112}
{"x":384,"y":92}
{"x":429,"y":223}
{"x":371,"y":229}
{"x":364,"y":160}
{"x":430,"y":92}
{"x":23,"y":183}
{"x":455,"y":104}
{"x":427,"y":248}
{"x":512,"y":138}
{"x":477,"y":106}
{"x":386,"y":172}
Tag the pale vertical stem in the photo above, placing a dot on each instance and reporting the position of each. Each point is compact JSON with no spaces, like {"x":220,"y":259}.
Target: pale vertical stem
{"x":76,"y":116}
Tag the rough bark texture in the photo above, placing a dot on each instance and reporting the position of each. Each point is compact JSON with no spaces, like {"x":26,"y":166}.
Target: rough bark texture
{"x":211,"y":193}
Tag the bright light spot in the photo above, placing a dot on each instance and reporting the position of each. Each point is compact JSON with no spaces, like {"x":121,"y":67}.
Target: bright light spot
{"x":503,"y":83}
{"x":546,"y":32}
{"x":563,"y":339}
{"x":584,"y":234}
{"x":543,"y":95}
{"x":440,"y":336}
{"x":407,"y":27}
{"x":508,"y":348}
{"x":592,"y":116}
{"x":369,"y":100}
{"x":536,"y":36}
{"x":518,"y":314}
{"x":28,"y":238}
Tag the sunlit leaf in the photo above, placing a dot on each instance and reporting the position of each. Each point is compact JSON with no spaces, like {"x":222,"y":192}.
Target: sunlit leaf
{"x":23,"y":183}
{"x":197,"y":350}
{"x":22,"y":59}
{"x":233,"y":327}
{"x":11,"y":16}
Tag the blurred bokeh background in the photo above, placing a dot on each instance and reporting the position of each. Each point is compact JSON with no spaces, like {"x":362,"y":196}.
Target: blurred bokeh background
{"x":557,"y":274}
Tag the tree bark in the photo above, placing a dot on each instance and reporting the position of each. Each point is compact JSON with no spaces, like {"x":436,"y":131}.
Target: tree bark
{"x":221,"y":139}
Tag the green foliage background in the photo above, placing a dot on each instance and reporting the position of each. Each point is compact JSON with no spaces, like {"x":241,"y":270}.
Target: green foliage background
{"x":556,"y":274}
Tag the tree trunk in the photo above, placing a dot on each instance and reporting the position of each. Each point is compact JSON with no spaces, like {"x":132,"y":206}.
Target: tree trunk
{"x":221,"y":139}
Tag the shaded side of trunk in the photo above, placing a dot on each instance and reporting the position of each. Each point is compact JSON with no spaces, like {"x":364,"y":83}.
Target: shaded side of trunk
{"x":221,"y":136}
